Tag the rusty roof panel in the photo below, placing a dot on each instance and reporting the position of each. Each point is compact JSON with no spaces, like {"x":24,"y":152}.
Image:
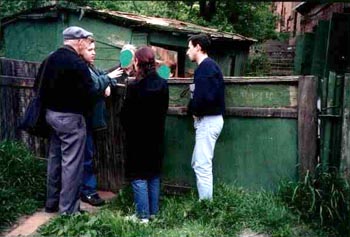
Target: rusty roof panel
{"x":134,"y":20}
{"x":170,"y":24}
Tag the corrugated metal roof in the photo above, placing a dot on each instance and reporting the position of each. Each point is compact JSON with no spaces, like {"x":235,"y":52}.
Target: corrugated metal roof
{"x":169,"y":24}
{"x":135,"y":20}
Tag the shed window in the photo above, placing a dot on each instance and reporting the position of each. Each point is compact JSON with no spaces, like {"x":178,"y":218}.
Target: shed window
{"x":168,"y":57}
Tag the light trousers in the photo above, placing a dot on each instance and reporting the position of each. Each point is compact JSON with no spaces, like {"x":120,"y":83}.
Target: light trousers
{"x":208,"y":129}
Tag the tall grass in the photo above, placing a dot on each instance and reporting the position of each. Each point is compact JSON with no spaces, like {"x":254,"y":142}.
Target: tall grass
{"x":318,"y":206}
{"x":232,"y":210}
{"x":322,"y":199}
{"x":22,"y":182}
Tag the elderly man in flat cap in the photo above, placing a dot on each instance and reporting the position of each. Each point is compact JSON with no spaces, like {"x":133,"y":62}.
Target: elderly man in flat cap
{"x":67,"y":91}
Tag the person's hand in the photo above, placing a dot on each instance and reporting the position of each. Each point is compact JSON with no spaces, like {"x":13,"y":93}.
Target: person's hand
{"x":108,"y":91}
{"x":116,"y":73}
{"x":129,"y":69}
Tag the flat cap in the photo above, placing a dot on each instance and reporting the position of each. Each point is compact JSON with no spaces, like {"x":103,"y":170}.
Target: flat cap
{"x":75,"y":32}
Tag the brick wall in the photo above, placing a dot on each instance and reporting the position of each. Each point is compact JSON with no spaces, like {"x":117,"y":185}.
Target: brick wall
{"x":321,"y":12}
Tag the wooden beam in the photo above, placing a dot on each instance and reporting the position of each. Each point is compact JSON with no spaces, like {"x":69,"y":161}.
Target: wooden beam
{"x":262,"y":112}
{"x":307,"y":124}
{"x":246,"y":112}
{"x":16,"y":81}
{"x":243,"y":80}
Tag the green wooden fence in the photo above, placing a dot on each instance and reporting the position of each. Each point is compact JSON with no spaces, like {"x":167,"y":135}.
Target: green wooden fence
{"x":269,"y":132}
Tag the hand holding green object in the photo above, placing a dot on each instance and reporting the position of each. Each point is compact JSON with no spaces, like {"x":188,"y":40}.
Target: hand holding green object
{"x":164,"y":71}
{"x":126,"y":58}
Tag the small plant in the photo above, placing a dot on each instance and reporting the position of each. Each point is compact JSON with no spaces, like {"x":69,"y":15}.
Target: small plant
{"x":323,"y":198}
{"x":258,"y":64}
{"x":22,"y":182}
{"x":282,"y":36}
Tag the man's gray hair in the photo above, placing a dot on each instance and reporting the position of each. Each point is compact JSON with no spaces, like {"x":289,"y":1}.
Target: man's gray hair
{"x":129,"y":47}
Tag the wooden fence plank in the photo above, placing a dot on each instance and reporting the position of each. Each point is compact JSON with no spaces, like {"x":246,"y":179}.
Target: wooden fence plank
{"x":345,"y":141}
{"x":327,"y":123}
{"x":307,"y":124}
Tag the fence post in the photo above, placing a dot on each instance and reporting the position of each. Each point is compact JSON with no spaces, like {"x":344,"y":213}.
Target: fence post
{"x":345,"y":138}
{"x":307,"y":124}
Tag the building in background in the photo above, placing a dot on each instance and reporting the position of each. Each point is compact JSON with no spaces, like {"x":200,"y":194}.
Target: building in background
{"x":323,"y":43}
{"x":288,"y":19}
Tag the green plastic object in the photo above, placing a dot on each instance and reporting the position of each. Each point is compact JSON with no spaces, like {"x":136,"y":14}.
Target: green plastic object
{"x":126,"y":57}
{"x":164,"y":71}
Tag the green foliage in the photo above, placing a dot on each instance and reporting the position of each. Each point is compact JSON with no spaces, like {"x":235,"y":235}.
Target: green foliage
{"x":252,"y":19}
{"x":231,"y":211}
{"x":258,"y":64}
{"x":22,"y":182}
{"x":9,"y":7}
{"x":105,"y":223}
{"x":282,"y":36}
{"x":323,"y":199}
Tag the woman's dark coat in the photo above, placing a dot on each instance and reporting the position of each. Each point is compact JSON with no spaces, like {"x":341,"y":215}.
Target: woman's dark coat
{"x":143,"y":118}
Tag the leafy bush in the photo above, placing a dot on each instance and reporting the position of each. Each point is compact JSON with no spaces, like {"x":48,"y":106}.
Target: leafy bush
{"x":282,"y":36}
{"x":258,"y":64}
{"x":323,"y":198}
{"x":22,"y":182}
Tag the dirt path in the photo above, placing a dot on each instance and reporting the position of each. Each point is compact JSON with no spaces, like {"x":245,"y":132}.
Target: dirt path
{"x":28,"y":225}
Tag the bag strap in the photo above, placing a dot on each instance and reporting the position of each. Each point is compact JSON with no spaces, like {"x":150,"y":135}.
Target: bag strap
{"x":42,"y":75}
{"x":44,"y":63}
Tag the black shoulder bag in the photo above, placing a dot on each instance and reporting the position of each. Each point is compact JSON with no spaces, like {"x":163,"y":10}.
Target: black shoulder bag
{"x":34,"y":121}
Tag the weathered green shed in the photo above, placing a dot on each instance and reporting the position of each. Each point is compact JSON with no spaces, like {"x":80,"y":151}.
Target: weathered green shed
{"x":32,"y":34}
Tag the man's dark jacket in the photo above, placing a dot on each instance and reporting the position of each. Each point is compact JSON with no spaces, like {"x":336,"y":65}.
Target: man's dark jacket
{"x":67,"y":84}
{"x":209,"y":93}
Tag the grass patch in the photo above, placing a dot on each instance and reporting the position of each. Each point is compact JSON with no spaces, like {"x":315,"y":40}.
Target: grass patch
{"x":322,"y":199}
{"x":318,"y":206}
{"x":232,"y":211}
{"x":22,"y":182}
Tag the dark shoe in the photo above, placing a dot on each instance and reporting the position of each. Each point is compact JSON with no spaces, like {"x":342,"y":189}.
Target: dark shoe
{"x":51,"y":209}
{"x":93,"y":199}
